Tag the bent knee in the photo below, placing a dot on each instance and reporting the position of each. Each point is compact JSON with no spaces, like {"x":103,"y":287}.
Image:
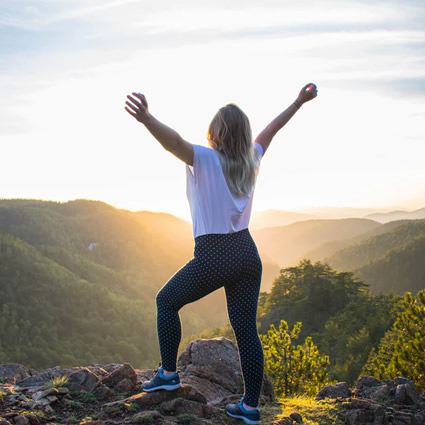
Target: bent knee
{"x":165,"y":300}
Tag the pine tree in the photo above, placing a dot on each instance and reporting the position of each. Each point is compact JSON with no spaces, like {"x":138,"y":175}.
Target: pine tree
{"x":293,"y":369}
{"x":402,"y":350}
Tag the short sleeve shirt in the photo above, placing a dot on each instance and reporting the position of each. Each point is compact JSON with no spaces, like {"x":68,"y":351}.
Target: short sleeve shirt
{"x":214,"y":208}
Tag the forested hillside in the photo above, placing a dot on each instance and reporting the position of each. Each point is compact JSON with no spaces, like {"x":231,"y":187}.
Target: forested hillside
{"x":78,"y":282}
{"x":284,"y":245}
{"x":392,"y":260}
{"x":81,"y":278}
{"x":50,"y":315}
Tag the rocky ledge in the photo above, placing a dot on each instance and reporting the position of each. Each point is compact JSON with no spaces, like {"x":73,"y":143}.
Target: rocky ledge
{"x":372,"y":401}
{"x":110,"y":394}
{"x":210,"y":375}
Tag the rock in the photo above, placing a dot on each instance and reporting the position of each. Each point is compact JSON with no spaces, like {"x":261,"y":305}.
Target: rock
{"x":179,"y":405}
{"x":212,"y":366}
{"x":126,"y":371}
{"x":381,"y":392}
{"x":407,"y":394}
{"x":362,"y":410}
{"x":125,"y":386}
{"x":267,"y":389}
{"x":419,"y":418}
{"x":155,"y":398}
{"x":83,"y":379}
{"x":70,"y":421}
{"x":103,"y":393}
{"x":403,"y":418}
{"x":42,"y":402}
{"x":52,"y":398}
{"x":286,"y":420}
{"x":295,"y":416}
{"x":211,"y":390}
{"x":146,"y":417}
{"x":340,"y":389}
{"x":359,"y":416}
{"x":14,"y":372}
{"x":21,"y":420}
{"x":30,"y":405}
{"x":214,"y":359}
{"x":363,"y":385}
{"x":48,"y":409}
{"x":33,"y":419}
{"x":4,"y":422}
{"x":8,"y":389}
{"x":42,"y":394}
{"x":63,"y":391}
{"x":44,"y":376}
{"x":400,"y":380}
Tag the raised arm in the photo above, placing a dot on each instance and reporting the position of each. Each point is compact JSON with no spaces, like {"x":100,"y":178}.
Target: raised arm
{"x":170,"y":140}
{"x":307,"y":93}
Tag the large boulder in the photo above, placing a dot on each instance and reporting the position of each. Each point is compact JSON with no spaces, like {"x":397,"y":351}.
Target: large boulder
{"x":216,"y":360}
{"x":213,"y":367}
{"x":14,"y":372}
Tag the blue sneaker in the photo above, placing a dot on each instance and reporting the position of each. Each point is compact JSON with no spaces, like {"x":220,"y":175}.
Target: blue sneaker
{"x":162,"y":382}
{"x":238,"y":411}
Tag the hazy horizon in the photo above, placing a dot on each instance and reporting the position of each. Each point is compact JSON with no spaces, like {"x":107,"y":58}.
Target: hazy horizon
{"x":326,"y":211}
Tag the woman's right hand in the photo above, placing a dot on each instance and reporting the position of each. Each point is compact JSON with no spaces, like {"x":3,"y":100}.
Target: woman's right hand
{"x":137,"y":107}
{"x":307,"y":93}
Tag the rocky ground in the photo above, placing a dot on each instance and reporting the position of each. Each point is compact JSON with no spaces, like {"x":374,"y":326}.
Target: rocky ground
{"x":210,"y":374}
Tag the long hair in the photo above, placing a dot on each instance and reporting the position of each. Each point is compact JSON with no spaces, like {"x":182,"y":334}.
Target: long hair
{"x":229,"y":133}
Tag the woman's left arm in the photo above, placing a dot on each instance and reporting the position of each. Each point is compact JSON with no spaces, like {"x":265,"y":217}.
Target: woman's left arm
{"x":170,"y":140}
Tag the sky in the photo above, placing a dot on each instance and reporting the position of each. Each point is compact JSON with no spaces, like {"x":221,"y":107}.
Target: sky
{"x":66,"y":67}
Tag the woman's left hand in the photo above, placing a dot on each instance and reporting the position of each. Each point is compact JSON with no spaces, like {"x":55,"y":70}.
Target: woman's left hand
{"x":137,"y":106}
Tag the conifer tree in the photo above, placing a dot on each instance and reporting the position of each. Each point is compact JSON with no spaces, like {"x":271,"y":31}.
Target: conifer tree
{"x":402,"y":350}
{"x":293,"y":369}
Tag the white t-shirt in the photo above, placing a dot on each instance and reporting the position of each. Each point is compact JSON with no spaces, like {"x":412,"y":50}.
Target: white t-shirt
{"x":213,"y":206}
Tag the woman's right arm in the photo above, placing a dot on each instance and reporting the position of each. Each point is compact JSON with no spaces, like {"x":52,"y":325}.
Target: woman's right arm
{"x":170,"y":140}
{"x":307,"y":93}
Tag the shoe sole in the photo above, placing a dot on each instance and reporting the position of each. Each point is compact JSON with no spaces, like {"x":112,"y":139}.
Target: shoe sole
{"x":246,"y":420}
{"x":162,"y":387}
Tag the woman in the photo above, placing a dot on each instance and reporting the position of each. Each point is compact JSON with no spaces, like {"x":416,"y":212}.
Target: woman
{"x":220,"y":188}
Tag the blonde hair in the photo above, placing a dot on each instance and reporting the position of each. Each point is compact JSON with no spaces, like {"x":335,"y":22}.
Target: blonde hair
{"x":229,"y":133}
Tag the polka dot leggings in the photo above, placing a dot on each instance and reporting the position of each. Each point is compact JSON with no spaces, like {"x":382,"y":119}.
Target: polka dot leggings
{"x":230,"y":260}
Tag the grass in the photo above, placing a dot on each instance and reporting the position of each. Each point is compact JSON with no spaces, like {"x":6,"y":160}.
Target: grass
{"x":39,"y":413}
{"x":87,"y":397}
{"x":187,"y":419}
{"x":130,"y":407}
{"x":313,"y":412}
{"x":2,"y":394}
{"x":56,"y":382}
{"x":145,"y":420}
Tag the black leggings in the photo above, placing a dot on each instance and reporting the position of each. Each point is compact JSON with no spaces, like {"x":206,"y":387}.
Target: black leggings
{"x":230,"y":260}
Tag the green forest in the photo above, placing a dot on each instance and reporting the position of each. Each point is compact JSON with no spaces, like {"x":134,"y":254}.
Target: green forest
{"x":78,"y":282}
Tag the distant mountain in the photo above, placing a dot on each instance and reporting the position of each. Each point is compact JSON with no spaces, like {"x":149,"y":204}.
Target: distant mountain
{"x":275,"y":218}
{"x":399,"y":270}
{"x":397,"y":215}
{"x":339,"y":212}
{"x":375,"y":245}
{"x":391,"y":259}
{"x":284,"y":245}
{"x":323,"y":251}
